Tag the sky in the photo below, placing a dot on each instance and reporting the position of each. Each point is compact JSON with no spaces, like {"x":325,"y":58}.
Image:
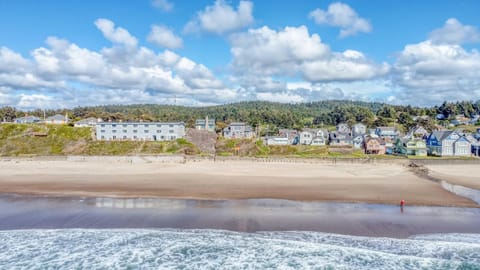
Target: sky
{"x":64,"y":54}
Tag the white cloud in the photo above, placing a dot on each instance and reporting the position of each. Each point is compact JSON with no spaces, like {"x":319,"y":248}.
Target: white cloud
{"x":65,"y":74}
{"x":164,"y":37}
{"x":431,"y":73}
{"x":116,"y":35}
{"x":343,"y":16}
{"x":221,"y":18}
{"x":293,"y":51}
{"x":163,"y":5}
{"x":9,"y":59}
{"x":454,"y":32}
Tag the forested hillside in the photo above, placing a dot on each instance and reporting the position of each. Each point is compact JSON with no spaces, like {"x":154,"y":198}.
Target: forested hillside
{"x":270,"y":114}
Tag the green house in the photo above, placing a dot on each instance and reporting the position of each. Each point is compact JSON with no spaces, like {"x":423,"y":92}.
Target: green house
{"x":411,"y":147}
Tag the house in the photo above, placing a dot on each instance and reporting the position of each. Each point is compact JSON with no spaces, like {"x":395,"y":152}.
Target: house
{"x":359,"y":129}
{"x":310,"y":136}
{"x":88,"y":122}
{"x":306,"y":137}
{"x":389,"y":145}
{"x":205,"y":124}
{"x":448,"y":143}
{"x":374,"y":146}
{"x":416,"y":147}
{"x":276,"y":140}
{"x":147,"y":131}
{"x":340,"y":139}
{"x":318,"y":141}
{"x":343,"y":128}
{"x":475,"y":144}
{"x":358,"y":141}
{"x":291,"y":134}
{"x":238,"y":130}
{"x":57,"y":119}
{"x":418,"y":132}
{"x":27,"y":120}
{"x":387,"y":132}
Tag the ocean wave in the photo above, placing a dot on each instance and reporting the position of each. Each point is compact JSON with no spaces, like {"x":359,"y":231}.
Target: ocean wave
{"x":213,"y":249}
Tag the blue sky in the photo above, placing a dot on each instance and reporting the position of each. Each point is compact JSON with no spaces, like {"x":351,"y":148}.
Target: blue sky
{"x":75,"y":53}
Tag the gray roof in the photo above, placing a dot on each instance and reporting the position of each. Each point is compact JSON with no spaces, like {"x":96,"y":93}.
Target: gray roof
{"x":441,"y":135}
{"x":56,"y":117}
{"x":86,"y":120}
{"x":29,"y":118}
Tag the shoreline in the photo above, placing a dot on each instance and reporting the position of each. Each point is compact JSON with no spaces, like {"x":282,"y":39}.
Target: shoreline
{"x":207,"y":180}
{"x":253,"y":215}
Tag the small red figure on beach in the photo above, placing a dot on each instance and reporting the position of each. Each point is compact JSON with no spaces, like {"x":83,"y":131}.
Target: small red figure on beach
{"x":402,"y":203}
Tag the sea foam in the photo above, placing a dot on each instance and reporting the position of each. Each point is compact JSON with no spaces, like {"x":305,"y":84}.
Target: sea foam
{"x":213,"y":249}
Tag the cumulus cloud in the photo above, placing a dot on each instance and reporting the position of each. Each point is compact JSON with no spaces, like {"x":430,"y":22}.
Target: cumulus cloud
{"x":64,"y":74}
{"x":343,"y":16}
{"x":115,"y":34}
{"x":163,"y":5}
{"x":293,"y":51}
{"x":454,"y":32}
{"x":164,"y":37}
{"x":436,"y":72}
{"x":221,"y":18}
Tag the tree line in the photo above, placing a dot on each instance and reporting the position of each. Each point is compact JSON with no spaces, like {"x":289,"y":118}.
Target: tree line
{"x":271,"y":114}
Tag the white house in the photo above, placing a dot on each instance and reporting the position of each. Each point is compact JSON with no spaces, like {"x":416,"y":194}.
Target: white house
{"x":238,"y":130}
{"x":88,"y":122}
{"x":275,"y":140}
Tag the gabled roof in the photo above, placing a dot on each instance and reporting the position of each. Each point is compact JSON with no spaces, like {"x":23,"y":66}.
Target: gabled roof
{"x":441,"y":135}
{"x":87,"y":120}
{"x":56,"y":117}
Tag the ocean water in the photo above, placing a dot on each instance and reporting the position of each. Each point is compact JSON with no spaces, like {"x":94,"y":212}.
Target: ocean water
{"x":215,"y":249}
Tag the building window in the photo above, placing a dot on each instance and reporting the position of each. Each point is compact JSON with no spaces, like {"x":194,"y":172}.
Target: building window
{"x":102,"y":125}
{"x":146,"y":125}
{"x":162,"y":137}
{"x":124,"y":131}
{"x":159,"y":131}
{"x":135,"y":131}
{"x":159,"y":125}
{"x":134,"y":137}
{"x":135,"y":125}
{"x":171,"y":131}
{"x":173,"y":137}
{"x":146,"y":131}
{"x":114,"y":131}
{"x":124,"y":137}
{"x":170,"y":125}
{"x":103,"y":137}
{"x":113,"y":125}
{"x":124,"y":125}
{"x":102,"y":131}
{"x":114,"y":137}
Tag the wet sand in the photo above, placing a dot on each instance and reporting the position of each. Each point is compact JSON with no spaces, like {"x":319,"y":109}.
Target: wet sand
{"x":465,"y":175}
{"x":367,"y":183}
{"x":27,"y":212}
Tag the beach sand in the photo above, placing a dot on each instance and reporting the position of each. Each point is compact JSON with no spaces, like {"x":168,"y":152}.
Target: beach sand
{"x":368,"y":183}
{"x":465,"y":175}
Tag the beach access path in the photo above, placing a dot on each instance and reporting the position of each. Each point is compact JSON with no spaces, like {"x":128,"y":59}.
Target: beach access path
{"x":368,"y":183}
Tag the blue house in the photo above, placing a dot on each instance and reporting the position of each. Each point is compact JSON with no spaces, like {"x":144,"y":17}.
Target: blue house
{"x":448,"y":143}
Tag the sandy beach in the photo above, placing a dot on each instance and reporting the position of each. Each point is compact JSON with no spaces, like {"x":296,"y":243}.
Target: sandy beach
{"x":368,"y":183}
{"x":465,"y":175}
